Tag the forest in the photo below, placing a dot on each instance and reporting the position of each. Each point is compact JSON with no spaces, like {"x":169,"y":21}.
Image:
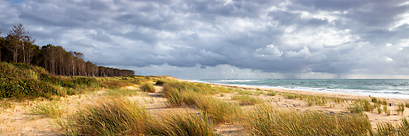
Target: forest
{"x":19,"y":47}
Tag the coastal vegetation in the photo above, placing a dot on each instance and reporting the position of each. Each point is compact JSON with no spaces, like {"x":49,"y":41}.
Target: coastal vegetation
{"x":78,"y":98}
{"x":19,"y":47}
{"x":112,"y":113}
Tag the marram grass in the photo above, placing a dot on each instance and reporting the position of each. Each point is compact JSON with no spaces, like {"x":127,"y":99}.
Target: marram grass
{"x":147,"y":87}
{"x":247,"y":100}
{"x":52,"y":109}
{"x":181,"y":124}
{"x":115,"y":116}
{"x":268,"y":120}
{"x":387,"y":129}
{"x":110,"y":116}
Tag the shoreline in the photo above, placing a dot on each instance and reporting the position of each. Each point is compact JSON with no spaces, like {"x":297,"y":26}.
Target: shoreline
{"x":351,"y":96}
{"x":384,"y":88}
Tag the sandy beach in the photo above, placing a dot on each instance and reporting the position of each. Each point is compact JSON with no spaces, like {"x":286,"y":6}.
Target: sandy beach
{"x":19,"y":119}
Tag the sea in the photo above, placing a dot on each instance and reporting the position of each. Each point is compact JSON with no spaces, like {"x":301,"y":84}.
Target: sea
{"x":386,"y":88}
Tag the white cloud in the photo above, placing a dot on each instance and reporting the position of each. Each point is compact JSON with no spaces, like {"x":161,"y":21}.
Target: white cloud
{"x":269,"y":52}
{"x":330,"y":37}
{"x":303,"y":53}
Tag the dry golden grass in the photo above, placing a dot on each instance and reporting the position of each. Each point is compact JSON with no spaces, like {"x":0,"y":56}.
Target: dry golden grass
{"x":268,"y":120}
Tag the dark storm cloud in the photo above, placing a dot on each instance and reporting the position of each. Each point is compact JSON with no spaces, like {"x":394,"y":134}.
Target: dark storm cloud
{"x":294,"y":36}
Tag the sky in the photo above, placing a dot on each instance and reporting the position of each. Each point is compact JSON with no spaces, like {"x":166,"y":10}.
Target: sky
{"x":226,"y":39}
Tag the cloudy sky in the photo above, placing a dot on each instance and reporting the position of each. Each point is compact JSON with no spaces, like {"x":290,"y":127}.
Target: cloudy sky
{"x":234,"y":39}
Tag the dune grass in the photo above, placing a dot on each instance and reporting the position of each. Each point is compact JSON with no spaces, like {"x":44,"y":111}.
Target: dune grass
{"x":268,"y":120}
{"x":246,"y":100}
{"x":121,"y":92}
{"x":108,"y":116}
{"x":387,"y":129}
{"x":147,"y":87}
{"x":116,"y":116}
{"x":181,"y":124}
{"x":52,"y":109}
{"x":271,"y":93}
{"x":218,"y":110}
{"x":401,"y":108}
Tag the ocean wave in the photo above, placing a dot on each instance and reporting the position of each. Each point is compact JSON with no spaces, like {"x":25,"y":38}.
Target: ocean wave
{"x":362,"y":88}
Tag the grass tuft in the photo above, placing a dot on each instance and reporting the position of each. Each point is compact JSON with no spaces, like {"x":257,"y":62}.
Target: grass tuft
{"x":268,"y":120}
{"x":247,"y":100}
{"x":49,"y":109}
{"x":186,"y":124}
{"x":218,"y":110}
{"x":387,"y":129}
{"x":147,"y":87}
{"x":111,"y":116}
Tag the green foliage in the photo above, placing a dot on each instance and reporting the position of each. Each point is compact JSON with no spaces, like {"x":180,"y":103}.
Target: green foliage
{"x":18,"y":80}
{"x":268,"y":120}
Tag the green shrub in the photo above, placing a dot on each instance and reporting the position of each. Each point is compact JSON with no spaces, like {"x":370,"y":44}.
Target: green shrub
{"x":21,"y":81}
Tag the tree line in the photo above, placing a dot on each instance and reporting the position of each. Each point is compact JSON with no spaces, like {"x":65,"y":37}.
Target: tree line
{"x":18,"y":46}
